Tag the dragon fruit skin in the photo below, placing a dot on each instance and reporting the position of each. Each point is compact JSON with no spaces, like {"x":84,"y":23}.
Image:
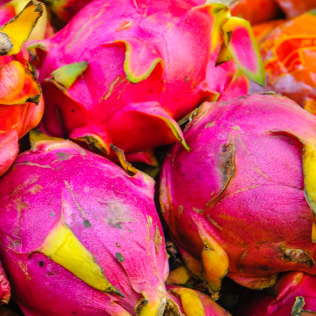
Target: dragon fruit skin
{"x":240,"y":191}
{"x":133,"y":83}
{"x":56,"y":189}
{"x":226,"y":79}
{"x":21,"y":108}
{"x":283,"y":297}
{"x":195,"y":303}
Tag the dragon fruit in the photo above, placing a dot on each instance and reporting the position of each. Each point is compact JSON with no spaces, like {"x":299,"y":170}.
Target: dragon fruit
{"x":19,"y":90}
{"x":294,"y":294}
{"x":194,"y":303}
{"x":129,"y":81}
{"x":236,"y":202}
{"x":79,"y":235}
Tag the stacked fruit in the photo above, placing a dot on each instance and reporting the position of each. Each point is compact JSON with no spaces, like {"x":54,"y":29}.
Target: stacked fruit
{"x":163,"y":85}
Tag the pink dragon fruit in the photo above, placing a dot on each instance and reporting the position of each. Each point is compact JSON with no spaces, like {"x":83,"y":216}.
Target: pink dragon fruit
{"x":127,"y":82}
{"x":194,"y":303}
{"x":236,"y":201}
{"x":19,"y":89}
{"x":79,"y":235}
{"x":294,"y":294}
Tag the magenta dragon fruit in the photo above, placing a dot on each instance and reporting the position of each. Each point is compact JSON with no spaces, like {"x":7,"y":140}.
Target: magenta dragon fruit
{"x":126,"y":82}
{"x":237,"y":201}
{"x":294,"y":295}
{"x":79,"y":235}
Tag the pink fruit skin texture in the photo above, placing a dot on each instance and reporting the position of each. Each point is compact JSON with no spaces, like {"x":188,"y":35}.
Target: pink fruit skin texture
{"x":261,"y":218}
{"x":225,"y":79}
{"x":108,"y":210}
{"x":280,"y":301}
{"x":169,"y":42}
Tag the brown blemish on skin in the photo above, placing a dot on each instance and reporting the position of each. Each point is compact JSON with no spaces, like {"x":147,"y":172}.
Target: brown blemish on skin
{"x":20,"y":205}
{"x":36,"y":189}
{"x":197,"y":210}
{"x":243,"y":256}
{"x":149,"y":220}
{"x":23,"y":267}
{"x":180,"y":209}
{"x":209,"y":124}
{"x":157,"y":239}
{"x":297,"y":256}
{"x":226,"y":167}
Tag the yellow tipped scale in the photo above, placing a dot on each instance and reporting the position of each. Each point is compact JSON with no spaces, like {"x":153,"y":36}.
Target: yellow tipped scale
{"x":151,"y":306}
{"x":242,"y":46}
{"x":68,"y":74}
{"x":63,"y":247}
{"x":236,"y":39}
{"x":180,"y":275}
{"x":190,"y":301}
{"x":215,"y":261}
{"x":20,"y":27}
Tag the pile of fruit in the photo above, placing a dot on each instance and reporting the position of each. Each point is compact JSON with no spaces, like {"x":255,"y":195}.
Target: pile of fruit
{"x":157,"y":157}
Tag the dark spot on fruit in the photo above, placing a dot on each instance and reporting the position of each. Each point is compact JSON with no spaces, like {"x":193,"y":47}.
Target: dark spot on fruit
{"x":229,"y":35}
{"x":86,"y":223}
{"x":119,"y":257}
{"x":72,"y":110}
{"x":117,"y":225}
{"x":41,"y":264}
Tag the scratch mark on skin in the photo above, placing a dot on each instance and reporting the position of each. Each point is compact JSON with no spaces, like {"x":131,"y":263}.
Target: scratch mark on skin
{"x":242,"y":144}
{"x":23,"y":267}
{"x":72,"y":195}
{"x":262,"y":174}
{"x":157,"y":239}
{"x":213,"y":222}
{"x":243,"y":256}
{"x":110,"y":89}
{"x":33,"y":165}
